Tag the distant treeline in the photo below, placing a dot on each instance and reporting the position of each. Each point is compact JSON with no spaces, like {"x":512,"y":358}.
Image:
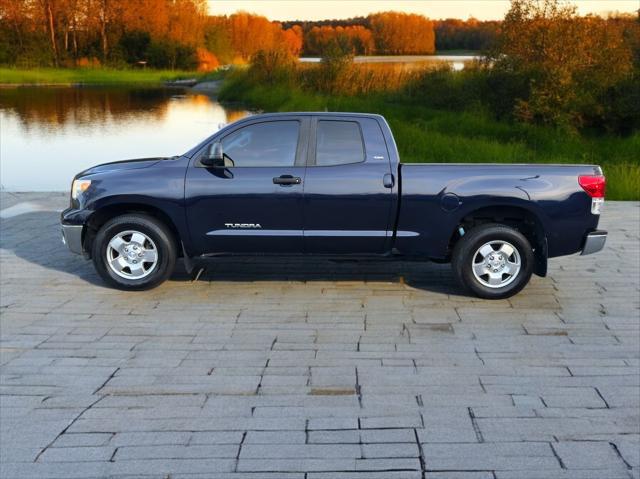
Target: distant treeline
{"x":179,"y":34}
{"x":362,"y":34}
{"x":472,"y":34}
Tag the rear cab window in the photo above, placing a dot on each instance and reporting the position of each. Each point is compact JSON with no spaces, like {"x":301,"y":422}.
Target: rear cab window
{"x":338,"y":142}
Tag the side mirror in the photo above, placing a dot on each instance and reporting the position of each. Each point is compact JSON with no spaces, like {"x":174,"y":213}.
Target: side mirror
{"x":215,"y":157}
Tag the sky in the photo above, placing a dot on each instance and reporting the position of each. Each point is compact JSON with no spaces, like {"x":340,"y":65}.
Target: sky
{"x":336,"y":9}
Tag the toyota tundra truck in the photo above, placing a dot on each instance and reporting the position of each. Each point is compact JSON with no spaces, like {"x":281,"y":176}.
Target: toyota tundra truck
{"x":330,"y":184}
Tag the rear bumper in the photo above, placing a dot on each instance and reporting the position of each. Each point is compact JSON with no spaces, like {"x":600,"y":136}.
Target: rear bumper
{"x":72,"y":237}
{"x":594,"y":242}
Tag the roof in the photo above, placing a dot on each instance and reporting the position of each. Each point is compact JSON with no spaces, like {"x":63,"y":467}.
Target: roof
{"x":193,"y":150}
{"x":313,"y":113}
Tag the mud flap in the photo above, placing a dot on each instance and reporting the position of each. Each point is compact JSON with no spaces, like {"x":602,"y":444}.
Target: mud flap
{"x":541,"y":254}
{"x":193,"y":267}
{"x":189,"y":264}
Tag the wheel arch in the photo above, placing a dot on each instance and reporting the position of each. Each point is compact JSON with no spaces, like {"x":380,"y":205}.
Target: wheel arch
{"x":518,"y":217}
{"x":100,"y":216}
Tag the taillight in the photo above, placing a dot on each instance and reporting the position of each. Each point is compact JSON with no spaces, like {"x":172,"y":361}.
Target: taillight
{"x":595,"y":186}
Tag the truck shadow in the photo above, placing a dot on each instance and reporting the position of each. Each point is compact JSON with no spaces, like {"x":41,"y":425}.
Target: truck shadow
{"x":35,"y":237}
{"x":423,"y":275}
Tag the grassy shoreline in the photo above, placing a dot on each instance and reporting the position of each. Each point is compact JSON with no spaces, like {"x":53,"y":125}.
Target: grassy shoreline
{"x":427,"y":135}
{"x":90,"y":76}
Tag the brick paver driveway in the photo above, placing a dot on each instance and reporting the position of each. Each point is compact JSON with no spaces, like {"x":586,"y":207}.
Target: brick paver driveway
{"x":316,"y":369}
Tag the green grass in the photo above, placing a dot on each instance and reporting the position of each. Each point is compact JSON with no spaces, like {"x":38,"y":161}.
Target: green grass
{"x":65,"y":76}
{"x":426,"y":135}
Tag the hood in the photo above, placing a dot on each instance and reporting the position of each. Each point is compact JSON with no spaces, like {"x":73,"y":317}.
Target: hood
{"x":120,"y":165}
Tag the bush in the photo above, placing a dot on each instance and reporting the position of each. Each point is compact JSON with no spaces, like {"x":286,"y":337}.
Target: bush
{"x":503,"y":89}
{"x":447,"y":89}
{"x":335,"y":63}
{"x":563,"y":65}
{"x":621,"y":102}
{"x":33,"y":52}
{"x":167,"y":54}
{"x":85,"y":62}
{"x":135,"y":46}
{"x":273,"y":66}
{"x":424,"y":134}
{"x":207,"y":61}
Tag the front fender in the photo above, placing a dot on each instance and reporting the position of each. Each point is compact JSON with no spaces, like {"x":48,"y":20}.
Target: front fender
{"x":158,"y":189}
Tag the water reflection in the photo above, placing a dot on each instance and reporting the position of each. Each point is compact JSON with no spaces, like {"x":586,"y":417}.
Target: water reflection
{"x":49,"y":134}
{"x":457,"y":62}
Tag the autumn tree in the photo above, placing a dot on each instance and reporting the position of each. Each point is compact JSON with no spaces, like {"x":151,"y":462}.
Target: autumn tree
{"x":18,"y":29}
{"x":361,"y":40}
{"x":471,"y":34}
{"x":567,"y":61}
{"x":217,"y":38}
{"x":241,"y":35}
{"x":251,"y":33}
{"x":68,"y":31}
{"x":397,"y":33}
{"x":149,"y":16}
{"x":293,"y":39}
{"x":186,"y":21}
{"x":12,"y":13}
{"x":353,"y":39}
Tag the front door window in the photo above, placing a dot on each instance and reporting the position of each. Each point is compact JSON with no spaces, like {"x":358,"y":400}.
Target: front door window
{"x":263,"y":144}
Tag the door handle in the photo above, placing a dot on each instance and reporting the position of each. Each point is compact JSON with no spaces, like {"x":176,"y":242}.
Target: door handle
{"x":287,"y":180}
{"x":388,"y":180}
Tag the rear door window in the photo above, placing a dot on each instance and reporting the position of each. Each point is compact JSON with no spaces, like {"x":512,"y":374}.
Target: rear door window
{"x":338,"y":143}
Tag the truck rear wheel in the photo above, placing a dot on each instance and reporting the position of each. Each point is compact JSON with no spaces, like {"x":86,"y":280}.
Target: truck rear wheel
{"x":134,"y":252}
{"x":493,"y":261}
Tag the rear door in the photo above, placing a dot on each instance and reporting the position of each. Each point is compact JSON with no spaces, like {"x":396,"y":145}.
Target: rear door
{"x":348,"y":187}
{"x":254,"y":206}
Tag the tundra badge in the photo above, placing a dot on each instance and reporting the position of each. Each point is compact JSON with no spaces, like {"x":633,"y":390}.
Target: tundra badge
{"x":242,"y":225}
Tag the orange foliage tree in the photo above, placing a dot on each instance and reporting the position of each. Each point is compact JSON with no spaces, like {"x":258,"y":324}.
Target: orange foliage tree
{"x":74,"y":29}
{"x":241,"y":35}
{"x":398,"y":33}
{"x":293,"y":39}
{"x":251,"y":33}
{"x":353,"y":39}
{"x":207,"y":61}
{"x":569,"y":64}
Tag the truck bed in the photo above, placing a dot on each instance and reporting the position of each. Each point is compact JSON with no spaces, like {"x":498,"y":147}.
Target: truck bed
{"x":434,"y":198}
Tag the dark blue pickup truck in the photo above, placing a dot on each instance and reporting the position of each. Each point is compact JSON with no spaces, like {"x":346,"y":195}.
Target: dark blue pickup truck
{"x":330,"y":184}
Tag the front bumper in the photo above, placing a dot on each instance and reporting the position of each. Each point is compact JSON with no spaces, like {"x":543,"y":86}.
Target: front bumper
{"x":594,"y":242}
{"x":72,"y":237}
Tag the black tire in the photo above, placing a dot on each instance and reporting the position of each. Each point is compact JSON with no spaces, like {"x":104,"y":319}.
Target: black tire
{"x":464,"y":256}
{"x":163,"y":242}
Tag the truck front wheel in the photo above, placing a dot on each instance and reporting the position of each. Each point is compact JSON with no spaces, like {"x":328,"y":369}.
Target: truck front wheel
{"x":493,"y":261}
{"x":134,"y":252}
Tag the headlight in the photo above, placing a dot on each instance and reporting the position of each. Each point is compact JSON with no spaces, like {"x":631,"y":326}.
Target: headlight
{"x":78,"y":187}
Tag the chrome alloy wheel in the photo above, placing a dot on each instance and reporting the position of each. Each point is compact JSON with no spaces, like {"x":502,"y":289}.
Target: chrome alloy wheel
{"x":496,"y":264}
{"x":132,"y":254}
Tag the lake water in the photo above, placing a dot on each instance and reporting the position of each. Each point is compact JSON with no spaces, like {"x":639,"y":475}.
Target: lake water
{"x":457,"y":62}
{"x":49,"y":134}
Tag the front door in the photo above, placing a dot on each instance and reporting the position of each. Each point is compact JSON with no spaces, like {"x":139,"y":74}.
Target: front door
{"x":254,"y":205}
